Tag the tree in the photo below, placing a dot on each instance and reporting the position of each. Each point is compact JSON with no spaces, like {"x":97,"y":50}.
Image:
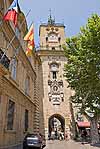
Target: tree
{"x":82,"y":71}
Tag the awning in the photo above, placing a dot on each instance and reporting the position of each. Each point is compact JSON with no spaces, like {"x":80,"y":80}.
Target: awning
{"x":83,"y":124}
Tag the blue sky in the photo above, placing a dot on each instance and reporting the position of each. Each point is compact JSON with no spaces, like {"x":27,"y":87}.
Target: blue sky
{"x":73,"y":13}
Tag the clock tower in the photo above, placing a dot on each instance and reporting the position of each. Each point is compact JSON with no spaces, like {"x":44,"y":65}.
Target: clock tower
{"x":56,"y":107}
{"x":52,"y":35}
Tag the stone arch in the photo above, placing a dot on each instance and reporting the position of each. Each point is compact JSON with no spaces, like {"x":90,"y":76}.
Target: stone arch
{"x":56,"y":123}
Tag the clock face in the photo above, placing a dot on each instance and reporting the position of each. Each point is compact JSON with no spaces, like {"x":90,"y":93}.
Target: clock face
{"x":52,"y":38}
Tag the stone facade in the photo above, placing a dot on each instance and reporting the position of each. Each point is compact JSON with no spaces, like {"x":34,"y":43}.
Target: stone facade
{"x":33,"y":91}
{"x":20,"y":84}
{"x":56,"y":94}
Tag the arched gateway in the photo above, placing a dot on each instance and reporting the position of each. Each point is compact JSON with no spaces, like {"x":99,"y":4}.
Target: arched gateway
{"x":56,"y":124}
{"x":56,"y":94}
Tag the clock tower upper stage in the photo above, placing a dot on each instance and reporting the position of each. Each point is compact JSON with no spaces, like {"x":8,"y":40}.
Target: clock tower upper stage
{"x":52,"y":35}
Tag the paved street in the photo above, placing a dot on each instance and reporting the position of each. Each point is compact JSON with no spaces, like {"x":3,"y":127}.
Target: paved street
{"x":67,"y":145}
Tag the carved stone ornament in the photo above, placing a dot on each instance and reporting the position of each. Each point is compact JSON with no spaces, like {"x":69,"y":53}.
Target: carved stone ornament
{"x":55,"y":94}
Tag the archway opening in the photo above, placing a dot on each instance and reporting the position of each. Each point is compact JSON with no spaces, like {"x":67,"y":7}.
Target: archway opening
{"x":56,"y":126}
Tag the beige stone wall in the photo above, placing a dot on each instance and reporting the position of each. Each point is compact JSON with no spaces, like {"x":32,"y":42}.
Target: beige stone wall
{"x":41,"y":95}
{"x":44,"y":33}
{"x":15,"y":89}
{"x":49,"y":56}
{"x":49,"y":109}
{"x":15,"y":136}
{"x":38,"y":95}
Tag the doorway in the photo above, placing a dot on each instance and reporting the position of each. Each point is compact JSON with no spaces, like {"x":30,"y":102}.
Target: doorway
{"x":56,"y":126}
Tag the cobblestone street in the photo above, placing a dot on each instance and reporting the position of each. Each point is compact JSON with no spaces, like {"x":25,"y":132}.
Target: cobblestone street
{"x":67,"y":145}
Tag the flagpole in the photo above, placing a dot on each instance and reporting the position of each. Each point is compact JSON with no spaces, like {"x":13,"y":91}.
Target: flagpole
{"x":25,"y":18}
{"x":15,"y":35}
{"x":20,"y":28}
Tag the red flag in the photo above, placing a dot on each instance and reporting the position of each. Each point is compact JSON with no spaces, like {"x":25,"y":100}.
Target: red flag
{"x":12,"y":13}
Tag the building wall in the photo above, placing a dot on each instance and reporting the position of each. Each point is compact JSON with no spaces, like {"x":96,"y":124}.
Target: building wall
{"x":44,"y":32}
{"x":15,"y":88}
{"x":15,"y":136}
{"x":49,"y":56}
{"x":40,"y":95}
{"x":50,"y":109}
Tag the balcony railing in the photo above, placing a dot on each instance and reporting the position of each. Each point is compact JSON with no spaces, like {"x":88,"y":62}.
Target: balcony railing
{"x":4,"y":60}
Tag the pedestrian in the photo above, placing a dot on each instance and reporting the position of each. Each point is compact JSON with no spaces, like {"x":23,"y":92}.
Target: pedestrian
{"x":52,"y":135}
{"x":62,"y":134}
{"x":56,"y":135}
{"x":84,"y":136}
{"x":66,"y":137}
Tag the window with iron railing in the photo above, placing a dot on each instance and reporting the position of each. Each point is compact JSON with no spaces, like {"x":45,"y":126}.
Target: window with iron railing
{"x":4,"y":60}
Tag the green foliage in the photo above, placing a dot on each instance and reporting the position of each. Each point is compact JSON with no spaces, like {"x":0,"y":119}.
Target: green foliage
{"x":82,"y":70}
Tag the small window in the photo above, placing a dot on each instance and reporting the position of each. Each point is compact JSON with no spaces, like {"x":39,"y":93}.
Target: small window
{"x":26,"y":119}
{"x":53,"y":48}
{"x":46,"y":39}
{"x":54,"y":74}
{"x":59,"y":39}
{"x":10,"y":115}
{"x":60,"y":46}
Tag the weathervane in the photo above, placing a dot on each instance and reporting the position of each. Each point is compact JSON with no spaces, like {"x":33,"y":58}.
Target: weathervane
{"x":50,"y":20}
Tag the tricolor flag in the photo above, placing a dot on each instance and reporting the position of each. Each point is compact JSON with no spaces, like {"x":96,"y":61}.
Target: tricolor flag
{"x":30,"y":39}
{"x":12,"y":13}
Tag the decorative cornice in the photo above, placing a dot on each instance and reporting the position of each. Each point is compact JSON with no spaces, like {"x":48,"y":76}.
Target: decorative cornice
{"x":50,"y":53}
